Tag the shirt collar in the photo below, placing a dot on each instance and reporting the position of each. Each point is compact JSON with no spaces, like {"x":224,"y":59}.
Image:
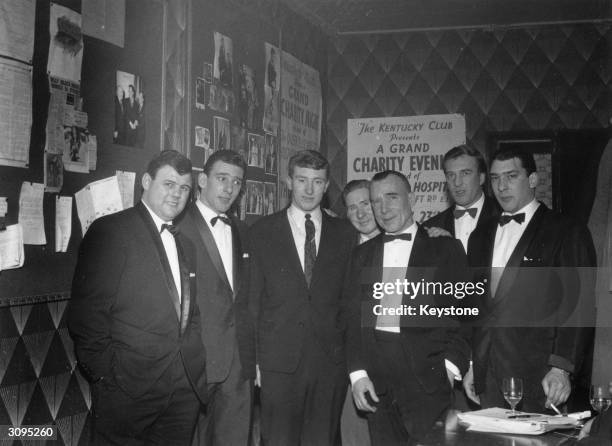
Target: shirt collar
{"x":207,"y":212}
{"x":477,"y":204}
{"x":156,"y":219}
{"x":412,"y":230}
{"x":298,"y":215}
{"x":529,"y":209}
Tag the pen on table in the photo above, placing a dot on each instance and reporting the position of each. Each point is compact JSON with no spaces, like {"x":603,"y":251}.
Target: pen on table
{"x":555,"y":409}
{"x":521,"y":416}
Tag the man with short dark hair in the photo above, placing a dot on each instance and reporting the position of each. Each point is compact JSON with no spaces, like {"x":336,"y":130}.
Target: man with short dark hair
{"x":134,"y":319}
{"x":466,"y":171}
{"x":228,"y":330}
{"x":529,"y":258}
{"x":401,"y":366}
{"x":299,"y":259}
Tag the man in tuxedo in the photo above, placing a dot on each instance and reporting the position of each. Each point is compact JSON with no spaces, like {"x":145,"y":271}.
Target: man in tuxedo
{"x":401,"y":366}
{"x":529,"y":258}
{"x":465,"y":170}
{"x":227,"y":329}
{"x":356,"y":197}
{"x":133,"y":318}
{"x":299,"y":259}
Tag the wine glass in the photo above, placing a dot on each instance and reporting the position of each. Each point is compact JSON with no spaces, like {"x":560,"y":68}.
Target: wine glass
{"x":512,"y":389}
{"x":600,"y":398}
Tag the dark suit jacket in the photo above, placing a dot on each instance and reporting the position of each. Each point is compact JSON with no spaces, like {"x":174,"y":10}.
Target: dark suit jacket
{"x":433,"y":259}
{"x":226,"y":321}
{"x":287,"y":308}
{"x":124,"y":312}
{"x":446,"y":219}
{"x":538,"y":291}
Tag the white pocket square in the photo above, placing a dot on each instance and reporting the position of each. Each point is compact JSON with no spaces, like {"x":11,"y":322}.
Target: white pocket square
{"x":191,"y":274}
{"x":245,"y":255}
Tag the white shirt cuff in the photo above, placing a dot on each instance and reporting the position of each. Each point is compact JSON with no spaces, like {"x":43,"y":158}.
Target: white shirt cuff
{"x":453,"y":369}
{"x":357,"y":375}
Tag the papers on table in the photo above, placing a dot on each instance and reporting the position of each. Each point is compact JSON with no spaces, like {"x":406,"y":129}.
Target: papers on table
{"x":498,"y":420}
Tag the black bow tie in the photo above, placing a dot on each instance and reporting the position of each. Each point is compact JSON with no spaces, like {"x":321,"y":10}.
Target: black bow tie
{"x":519,"y":218}
{"x":222,"y":218}
{"x":391,"y":237}
{"x":458,"y":213}
{"x":172,"y":229}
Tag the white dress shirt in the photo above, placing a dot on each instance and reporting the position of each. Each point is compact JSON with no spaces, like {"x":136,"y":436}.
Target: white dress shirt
{"x":506,"y":239}
{"x":222,"y":233}
{"x":465,"y":224}
{"x":396,"y":255}
{"x":297,"y":221}
{"x":170,"y":247}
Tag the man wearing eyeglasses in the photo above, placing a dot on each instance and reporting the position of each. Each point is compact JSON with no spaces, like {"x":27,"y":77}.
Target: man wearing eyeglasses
{"x":529,"y":258}
{"x":134,"y":319}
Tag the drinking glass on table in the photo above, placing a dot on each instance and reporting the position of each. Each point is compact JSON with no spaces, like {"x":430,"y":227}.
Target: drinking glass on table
{"x":600,"y":397}
{"x":512,"y":389}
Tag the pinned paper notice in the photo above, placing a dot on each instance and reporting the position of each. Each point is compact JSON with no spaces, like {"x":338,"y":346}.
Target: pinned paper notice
{"x":99,"y":198}
{"x":63,"y":223}
{"x":11,"y":247}
{"x":126,"y":187}
{"x":31,"y":213}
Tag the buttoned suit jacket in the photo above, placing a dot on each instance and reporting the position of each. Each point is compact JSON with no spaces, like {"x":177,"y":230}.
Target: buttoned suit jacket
{"x":287,"y":309}
{"x":226,"y":321}
{"x":530,"y":323}
{"x":124,"y":310}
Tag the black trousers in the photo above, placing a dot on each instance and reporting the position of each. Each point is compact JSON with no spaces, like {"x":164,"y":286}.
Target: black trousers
{"x":406,"y":412}
{"x":228,"y":415}
{"x":303,"y":408}
{"x":165,"y":415}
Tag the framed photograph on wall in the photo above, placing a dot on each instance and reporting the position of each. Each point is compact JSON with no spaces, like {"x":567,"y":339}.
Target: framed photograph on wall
{"x":130,"y":114}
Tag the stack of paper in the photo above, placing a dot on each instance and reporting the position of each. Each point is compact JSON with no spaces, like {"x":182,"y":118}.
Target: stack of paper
{"x":503,"y":421}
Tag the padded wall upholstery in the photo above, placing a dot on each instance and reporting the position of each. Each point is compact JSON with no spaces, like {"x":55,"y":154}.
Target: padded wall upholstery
{"x":548,"y":77}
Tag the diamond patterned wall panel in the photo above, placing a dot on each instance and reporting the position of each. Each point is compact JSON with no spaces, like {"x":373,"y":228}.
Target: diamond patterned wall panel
{"x":175,"y":61}
{"x":536,"y":78}
{"x":39,"y":384}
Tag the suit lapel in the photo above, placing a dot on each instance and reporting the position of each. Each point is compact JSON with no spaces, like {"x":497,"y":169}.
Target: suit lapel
{"x":488,"y":210}
{"x":286,"y":244}
{"x":325,"y":250}
{"x":512,"y":267}
{"x":185,"y":286}
{"x":209,"y":242}
{"x":236,"y":257}
{"x":449,"y":221}
{"x":161,"y":256}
